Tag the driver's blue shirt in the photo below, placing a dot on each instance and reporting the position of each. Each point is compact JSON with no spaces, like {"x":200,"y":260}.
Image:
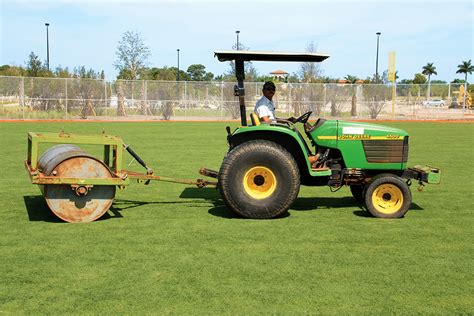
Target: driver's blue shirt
{"x":265,"y":107}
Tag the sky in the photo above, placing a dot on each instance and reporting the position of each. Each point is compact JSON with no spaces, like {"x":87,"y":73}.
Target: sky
{"x":87,"y":32}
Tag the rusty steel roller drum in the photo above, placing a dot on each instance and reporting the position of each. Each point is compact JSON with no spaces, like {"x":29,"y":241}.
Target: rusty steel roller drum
{"x":75,"y":203}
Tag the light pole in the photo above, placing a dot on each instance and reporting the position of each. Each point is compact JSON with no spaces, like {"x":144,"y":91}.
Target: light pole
{"x":47,"y":45}
{"x":237,"y":32}
{"x":377,"y":60}
{"x":177,"y":76}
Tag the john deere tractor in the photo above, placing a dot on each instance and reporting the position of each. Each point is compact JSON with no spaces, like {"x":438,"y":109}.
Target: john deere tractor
{"x":261,"y":174}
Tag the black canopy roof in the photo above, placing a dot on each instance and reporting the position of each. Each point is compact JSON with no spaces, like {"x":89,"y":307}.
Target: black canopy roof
{"x":269,"y":56}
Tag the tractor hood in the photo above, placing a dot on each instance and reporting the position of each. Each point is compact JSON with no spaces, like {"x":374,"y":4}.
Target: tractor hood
{"x":355,"y":128}
{"x":364,"y":145}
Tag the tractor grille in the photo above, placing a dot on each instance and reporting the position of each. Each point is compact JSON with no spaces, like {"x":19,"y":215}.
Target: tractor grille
{"x":386,"y":150}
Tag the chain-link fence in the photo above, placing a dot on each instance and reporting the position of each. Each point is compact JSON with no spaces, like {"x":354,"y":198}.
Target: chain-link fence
{"x":71,"y":98}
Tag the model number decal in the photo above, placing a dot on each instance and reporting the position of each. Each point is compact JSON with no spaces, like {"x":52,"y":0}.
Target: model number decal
{"x":365,"y":137}
{"x":361,"y":137}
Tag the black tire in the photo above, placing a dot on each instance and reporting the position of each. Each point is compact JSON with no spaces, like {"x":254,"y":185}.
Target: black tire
{"x":358,"y":192}
{"x":387,"y":196}
{"x":259,"y":179}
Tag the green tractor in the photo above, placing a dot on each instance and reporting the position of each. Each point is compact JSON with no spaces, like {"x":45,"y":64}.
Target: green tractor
{"x":261,"y":174}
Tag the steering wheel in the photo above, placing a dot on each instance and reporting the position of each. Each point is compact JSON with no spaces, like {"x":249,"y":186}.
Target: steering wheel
{"x":302,"y":119}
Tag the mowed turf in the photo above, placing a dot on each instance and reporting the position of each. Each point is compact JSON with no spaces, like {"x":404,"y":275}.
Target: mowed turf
{"x":170,"y":248}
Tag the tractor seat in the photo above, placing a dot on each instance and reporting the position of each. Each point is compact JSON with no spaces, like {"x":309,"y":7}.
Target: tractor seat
{"x":254,"y":118}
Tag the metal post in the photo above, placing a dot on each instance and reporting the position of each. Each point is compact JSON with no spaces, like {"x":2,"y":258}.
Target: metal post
{"x":65,"y":88}
{"x":290,"y":99}
{"x":324,"y":97}
{"x":185,"y":98}
{"x":377,"y":60}
{"x":237,"y":32}
{"x":465,"y":94}
{"x":177,"y":76}
{"x":394,"y":85}
{"x":240,"y":73}
{"x":146,"y":98}
{"x":105,"y":96}
{"x":133,"y":90}
{"x":22,"y":96}
{"x":47,"y":45}
{"x":222,"y":99}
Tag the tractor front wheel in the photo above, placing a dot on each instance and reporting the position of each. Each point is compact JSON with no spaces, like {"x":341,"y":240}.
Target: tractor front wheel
{"x":387,"y":196}
{"x":259,"y":179}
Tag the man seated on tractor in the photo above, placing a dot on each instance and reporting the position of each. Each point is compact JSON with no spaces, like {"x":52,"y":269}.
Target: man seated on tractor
{"x":265,"y":110}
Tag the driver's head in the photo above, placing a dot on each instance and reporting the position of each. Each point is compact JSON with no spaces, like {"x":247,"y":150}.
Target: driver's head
{"x":269,"y":90}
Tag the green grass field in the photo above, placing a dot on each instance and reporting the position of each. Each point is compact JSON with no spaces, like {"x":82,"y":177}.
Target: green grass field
{"x":168,"y":248}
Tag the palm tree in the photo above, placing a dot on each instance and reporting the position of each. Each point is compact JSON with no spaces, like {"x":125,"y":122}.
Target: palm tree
{"x":429,"y":70}
{"x":465,"y":68}
{"x":352,"y":80}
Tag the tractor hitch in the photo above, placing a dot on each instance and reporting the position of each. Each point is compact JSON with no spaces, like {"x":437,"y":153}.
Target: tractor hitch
{"x":423,"y":174}
{"x":209,"y":173}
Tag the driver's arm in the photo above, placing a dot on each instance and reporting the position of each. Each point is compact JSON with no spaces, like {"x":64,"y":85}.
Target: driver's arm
{"x":263,"y":113}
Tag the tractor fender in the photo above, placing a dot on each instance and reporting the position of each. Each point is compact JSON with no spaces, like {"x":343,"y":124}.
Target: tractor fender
{"x":290,"y":140}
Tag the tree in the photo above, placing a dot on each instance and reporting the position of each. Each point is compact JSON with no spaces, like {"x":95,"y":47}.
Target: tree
{"x":61,"y":72}
{"x":165,"y":73}
{"x":429,"y":70}
{"x":310,"y":72}
{"x":375,"y":97}
{"x":385,"y":77}
{"x":197,"y":72}
{"x":457,"y":80}
{"x":419,"y":79}
{"x":352,"y":80}
{"x":83,"y":73}
{"x":292,"y":78}
{"x":87,"y":94}
{"x":396,"y":76}
{"x":337,"y":96}
{"x":132,"y":55}
{"x":465,"y":68}
{"x":34,"y":65}
{"x":7,"y":70}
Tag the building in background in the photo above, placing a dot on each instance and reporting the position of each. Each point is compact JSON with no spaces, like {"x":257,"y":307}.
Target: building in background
{"x":279,"y":75}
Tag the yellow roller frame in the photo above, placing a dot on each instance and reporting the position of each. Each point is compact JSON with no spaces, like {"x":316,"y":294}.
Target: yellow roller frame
{"x":259,"y":182}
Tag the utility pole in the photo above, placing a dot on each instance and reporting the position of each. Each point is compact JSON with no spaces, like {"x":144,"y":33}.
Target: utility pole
{"x":377,"y":60}
{"x":177,"y":76}
{"x":237,"y":32}
{"x":47,"y":45}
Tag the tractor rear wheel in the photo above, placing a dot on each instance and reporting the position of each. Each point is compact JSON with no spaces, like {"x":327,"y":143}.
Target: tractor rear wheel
{"x":387,"y":196}
{"x":259,"y":179}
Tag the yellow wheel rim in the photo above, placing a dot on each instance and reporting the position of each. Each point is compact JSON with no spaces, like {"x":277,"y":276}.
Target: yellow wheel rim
{"x":387,"y":198}
{"x":259,"y":182}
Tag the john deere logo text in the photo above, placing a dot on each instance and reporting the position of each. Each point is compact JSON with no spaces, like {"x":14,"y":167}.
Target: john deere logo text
{"x":354,"y":137}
